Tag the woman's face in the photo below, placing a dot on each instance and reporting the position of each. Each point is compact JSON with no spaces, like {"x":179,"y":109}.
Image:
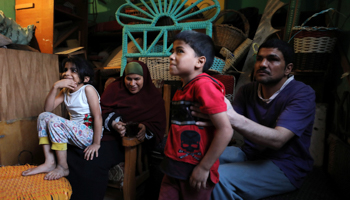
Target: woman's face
{"x":134,"y":83}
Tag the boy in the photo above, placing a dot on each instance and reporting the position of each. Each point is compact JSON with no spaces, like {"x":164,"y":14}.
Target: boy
{"x":192,"y":152}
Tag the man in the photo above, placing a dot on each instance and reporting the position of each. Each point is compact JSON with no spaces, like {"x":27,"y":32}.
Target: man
{"x":275,"y":115}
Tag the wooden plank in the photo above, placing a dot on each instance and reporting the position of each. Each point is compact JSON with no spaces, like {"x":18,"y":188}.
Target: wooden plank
{"x":18,"y":136}
{"x":26,"y":79}
{"x":264,"y":31}
{"x":24,"y":6}
{"x":167,"y":101}
{"x":42,"y":16}
{"x":292,"y":18}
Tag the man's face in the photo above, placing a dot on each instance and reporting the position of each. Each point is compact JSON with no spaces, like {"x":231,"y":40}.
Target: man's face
{"x":270,"y":67}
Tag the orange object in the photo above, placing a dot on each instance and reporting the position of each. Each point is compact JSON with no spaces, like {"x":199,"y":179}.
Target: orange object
{"x":15,"y":186}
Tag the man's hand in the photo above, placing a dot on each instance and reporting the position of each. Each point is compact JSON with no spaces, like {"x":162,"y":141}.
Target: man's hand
{"x":199,"y":178}
{"x":197,"y":113}
{"x":91,"y":150}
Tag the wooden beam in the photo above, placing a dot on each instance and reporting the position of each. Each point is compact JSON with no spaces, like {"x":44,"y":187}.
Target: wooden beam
{"x":24,"y":6}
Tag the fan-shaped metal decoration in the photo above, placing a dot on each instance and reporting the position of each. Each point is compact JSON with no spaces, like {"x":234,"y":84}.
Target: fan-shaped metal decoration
{"x":173,"y":9}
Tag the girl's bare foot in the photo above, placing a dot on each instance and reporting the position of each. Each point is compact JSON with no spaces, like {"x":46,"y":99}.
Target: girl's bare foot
{"x":43,"y":168}
{"x":57,"y":173}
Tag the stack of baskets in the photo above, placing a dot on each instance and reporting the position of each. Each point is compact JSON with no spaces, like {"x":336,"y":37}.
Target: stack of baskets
{"x":228,"y":36}
{"x":313,"y":46}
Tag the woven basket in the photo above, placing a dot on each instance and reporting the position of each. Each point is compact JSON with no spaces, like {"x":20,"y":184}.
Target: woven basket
{"x":159,"y":67}
{"x":313,"y":46}
{"x":229,"y":36}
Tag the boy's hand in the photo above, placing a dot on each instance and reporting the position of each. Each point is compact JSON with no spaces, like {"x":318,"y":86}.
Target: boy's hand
{"x":141,"y":134}
{"x":91,"y":150}
{"x":199,"y":177}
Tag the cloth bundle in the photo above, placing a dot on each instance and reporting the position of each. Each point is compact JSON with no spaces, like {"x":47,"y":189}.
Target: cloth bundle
{"x":12,"y":30}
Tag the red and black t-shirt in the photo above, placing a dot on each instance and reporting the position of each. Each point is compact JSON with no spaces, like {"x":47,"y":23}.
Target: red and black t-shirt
{"x":187,"y":143}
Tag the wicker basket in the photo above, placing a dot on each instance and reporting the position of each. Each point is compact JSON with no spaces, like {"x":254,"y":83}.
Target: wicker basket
{"x":159,"y":67}
{"x":313,"y":46}
{"x":229,"y":36}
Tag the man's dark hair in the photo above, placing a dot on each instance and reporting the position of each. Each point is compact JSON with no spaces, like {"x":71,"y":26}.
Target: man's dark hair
{"x":283,"y":47}
{"x":83,"y":66}
{"x":201,"y":43}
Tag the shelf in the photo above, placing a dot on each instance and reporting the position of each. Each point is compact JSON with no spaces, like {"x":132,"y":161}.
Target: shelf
{"x":65,"y":35}
{"x":63,"y":23}
{"x":67,"y":13}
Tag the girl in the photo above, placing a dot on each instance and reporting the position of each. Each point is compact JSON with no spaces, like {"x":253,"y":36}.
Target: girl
{"x":84,"y":129}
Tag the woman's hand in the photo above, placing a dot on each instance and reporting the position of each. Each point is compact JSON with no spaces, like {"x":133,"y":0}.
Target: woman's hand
{"x":91,"y":150}
{"x":141,"y":134}
{"x":119,"y":127}
{"x":65,"y":83}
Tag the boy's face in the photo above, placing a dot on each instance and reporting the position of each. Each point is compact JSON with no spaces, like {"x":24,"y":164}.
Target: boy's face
{"x":183,"y":59}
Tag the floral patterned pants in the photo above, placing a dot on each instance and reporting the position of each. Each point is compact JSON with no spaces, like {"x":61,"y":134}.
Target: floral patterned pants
{"x":63,"y":131}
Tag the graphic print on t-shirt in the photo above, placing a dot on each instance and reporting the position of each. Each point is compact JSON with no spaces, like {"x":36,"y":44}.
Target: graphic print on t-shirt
{"x":190,"y":143}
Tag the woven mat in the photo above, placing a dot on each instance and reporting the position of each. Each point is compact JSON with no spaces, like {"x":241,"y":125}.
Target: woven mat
{"x":15,"y":186}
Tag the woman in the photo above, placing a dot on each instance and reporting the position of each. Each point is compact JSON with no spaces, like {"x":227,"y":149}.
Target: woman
{"x":132,"y":97}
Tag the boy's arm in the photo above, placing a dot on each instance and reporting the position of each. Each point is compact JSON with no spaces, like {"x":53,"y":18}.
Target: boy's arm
{"x":94,"y":104}
{"x":222,"y":137}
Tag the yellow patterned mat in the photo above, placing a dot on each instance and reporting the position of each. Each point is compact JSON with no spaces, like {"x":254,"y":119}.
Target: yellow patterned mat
{"x":15,"y":186}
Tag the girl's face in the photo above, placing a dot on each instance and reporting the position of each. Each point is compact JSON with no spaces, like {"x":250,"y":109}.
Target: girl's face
{"x":134,"y":83}
{"x":70,"y":71}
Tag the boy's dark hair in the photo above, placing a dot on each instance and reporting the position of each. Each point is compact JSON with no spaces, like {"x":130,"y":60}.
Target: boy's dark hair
{"x":282,"y":46}
{"x":201,"y":43}
{"x":83,"y":66}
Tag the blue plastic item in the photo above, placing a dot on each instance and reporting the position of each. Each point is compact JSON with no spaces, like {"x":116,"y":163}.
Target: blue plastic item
{"x":173,"y":9}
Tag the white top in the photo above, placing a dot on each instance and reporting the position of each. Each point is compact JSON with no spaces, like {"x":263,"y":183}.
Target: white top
{"x":77,"y":104}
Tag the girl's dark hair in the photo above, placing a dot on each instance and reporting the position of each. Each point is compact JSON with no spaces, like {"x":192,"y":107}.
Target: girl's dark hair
{"x":201,"y":43}
{"x":84,"y":68}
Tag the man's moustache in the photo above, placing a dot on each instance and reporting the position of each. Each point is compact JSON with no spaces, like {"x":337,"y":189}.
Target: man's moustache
{"x":262,"y":71}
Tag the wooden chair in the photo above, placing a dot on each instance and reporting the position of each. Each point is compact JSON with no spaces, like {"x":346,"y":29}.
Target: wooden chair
{"x":133,"y":155}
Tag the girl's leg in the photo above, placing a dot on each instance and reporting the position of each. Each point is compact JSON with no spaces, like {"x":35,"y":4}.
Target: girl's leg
{"x":50,"y":163}
{"x":63,"y":132}
{"x":47,"y":166}
{"x":61,"y":168}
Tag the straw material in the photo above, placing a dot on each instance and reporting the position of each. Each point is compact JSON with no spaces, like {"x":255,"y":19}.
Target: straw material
{"x":15,"y":186}
{"x":229,"y":36}
{"x":313,"y":45}
{"x":159,"y":68}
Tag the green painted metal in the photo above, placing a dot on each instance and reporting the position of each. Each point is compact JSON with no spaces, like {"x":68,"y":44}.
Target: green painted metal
{"x":173,"y":9}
